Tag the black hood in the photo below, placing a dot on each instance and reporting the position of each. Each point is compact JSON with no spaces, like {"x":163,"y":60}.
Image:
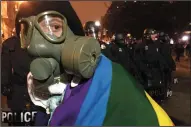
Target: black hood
{"x":30,"y":8}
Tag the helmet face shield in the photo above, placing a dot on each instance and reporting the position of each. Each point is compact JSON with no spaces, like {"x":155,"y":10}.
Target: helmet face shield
{"x":50,"y":24}
{"x":92,"y":32}
{"x":89,"y":32}
{"x":150,"y":34}
{"x":153,"y":32}
{"x":91,"y":29}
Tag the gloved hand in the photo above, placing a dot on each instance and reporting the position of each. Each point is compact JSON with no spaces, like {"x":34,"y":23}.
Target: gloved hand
{"x":6,"y":90}
{"x":35,"y":100}
{"x":48,"y":103}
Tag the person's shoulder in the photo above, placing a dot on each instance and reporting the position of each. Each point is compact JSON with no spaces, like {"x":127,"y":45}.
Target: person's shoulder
{"x":10,"y":44}
{"x":10,"y":41}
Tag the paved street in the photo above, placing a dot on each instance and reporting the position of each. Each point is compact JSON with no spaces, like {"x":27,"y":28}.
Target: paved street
{"x":179,"y":105}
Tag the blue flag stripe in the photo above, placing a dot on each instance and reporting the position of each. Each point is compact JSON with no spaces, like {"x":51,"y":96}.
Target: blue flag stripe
{"x":94,"y":107}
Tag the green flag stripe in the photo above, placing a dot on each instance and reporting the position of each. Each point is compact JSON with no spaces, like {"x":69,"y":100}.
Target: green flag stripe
{"x":128,"y":104}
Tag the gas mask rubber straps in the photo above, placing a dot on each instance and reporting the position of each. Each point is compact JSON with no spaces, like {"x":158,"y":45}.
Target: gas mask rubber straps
{"x":58,"y":52}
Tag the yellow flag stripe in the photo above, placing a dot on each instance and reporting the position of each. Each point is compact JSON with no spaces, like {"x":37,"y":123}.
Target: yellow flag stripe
{"x":163,"y":118}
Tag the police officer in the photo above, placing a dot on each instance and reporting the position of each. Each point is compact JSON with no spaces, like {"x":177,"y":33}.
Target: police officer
{"x":131,"y":43}
{"x":178,"y":51}
{"x":165,"y":50}
{"x":15,"y":67}
{"x":92,"y":30}
{"x":118,"y":52}
{"x":150,"y":62}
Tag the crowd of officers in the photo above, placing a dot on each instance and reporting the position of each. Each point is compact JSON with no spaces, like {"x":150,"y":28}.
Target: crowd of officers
{"x":150,"y":61}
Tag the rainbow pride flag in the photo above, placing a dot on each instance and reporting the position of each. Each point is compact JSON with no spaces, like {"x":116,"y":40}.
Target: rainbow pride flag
{"x":111,"y":98}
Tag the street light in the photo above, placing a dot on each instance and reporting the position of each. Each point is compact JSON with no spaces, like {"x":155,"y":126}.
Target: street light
{"x":128,"y":35}
{"x":171,"y":41}
{"x":185,"y":38}
{"x":97,"y":23}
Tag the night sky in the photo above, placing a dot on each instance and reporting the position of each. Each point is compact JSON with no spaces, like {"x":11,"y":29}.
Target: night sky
{"x":90,"y":10}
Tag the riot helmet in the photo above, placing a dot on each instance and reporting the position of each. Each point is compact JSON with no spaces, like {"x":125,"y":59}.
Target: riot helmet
{"x":163,"y":37}
{"x":91,"y":29}
{"x":150,"y":34}
{"x":119,"y":39}
{"x":128,"y":39}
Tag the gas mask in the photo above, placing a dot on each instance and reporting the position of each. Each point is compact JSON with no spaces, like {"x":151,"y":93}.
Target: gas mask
{"x":57,"y":50}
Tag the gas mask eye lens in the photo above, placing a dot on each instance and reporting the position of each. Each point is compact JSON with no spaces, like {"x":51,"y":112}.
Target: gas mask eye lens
{"x":51,"y":25}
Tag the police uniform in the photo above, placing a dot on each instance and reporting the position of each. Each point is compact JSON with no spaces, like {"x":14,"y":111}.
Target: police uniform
{"x":165,"y":50}
{"x":152,"y":65}
{"x":105,"y":49}
{"x":15,"y":64}
{"x":140,"y":63}
{"x":118,"y":52}
{"x":131,"y":47}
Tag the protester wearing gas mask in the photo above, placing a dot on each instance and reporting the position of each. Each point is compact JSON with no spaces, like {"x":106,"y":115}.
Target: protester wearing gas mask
{"x":30,"y":8}
{"x":69,"y":54}
{"x":91,"y":96}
